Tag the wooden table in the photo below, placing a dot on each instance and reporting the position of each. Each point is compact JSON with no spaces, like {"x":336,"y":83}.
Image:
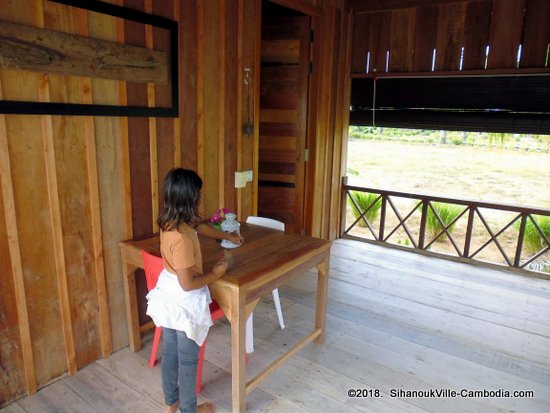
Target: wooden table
{"x":267,"y":259}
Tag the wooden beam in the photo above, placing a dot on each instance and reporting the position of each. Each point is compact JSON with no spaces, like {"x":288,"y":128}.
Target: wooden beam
{"x":43,"y":50}
{"x":362,"y":6}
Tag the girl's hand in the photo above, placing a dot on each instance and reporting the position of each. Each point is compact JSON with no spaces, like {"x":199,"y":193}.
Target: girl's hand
{"x":220,"y":267}
{"x":235,"y":238}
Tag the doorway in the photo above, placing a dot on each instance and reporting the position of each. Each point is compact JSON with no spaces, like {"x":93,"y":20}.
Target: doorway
{"x":284,"y":87}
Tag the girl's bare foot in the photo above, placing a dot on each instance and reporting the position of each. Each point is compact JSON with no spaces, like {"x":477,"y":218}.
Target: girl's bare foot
{"x":173,"y":408}
{"x":206,"y":408}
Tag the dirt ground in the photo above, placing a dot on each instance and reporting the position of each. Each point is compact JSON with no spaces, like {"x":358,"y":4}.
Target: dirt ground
{"x":464,"y":172}
{"x":500,"y":176}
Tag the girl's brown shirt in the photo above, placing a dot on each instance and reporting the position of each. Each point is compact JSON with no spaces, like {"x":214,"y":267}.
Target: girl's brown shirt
{"x":180,"y":249}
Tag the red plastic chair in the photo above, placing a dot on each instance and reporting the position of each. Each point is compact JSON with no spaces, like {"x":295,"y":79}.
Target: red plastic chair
{"x":153,"y":267}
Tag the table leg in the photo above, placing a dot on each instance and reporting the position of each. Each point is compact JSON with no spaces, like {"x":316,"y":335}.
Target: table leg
{"x":238,"y":367}
{"x":322,"y":298}
{"x":134,"y":335}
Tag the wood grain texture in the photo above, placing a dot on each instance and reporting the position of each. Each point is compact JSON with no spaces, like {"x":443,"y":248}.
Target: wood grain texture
{"x":380,"y":40}
{"x":284,"y":112}
{"x":232,"y":126}
{"x":44,"y":50}
{"x":189,"y":77}
{"x":37,"y":253}
{"x":71,"y":186}
{"x":505,"y":39}
{"x":165,"y":128}
{"x":16,"y":272}
{"x":361,"y":45}
{"x":425,"y":38}
{"x":341,"y":123}
{"x":476,"y":34}
{"x":15,"y":345}
{"x":450,"y":35}
{"x":83,"y":184}
{"x":536,"y":34}
{"x":402,"y":40}
{"x":395,"y":320}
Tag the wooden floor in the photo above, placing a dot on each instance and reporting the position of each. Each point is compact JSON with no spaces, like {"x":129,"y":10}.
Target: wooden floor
{"x":396,"y":320}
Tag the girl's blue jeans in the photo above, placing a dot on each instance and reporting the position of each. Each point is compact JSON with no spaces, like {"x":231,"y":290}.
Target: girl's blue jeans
{"x":180,"y":357}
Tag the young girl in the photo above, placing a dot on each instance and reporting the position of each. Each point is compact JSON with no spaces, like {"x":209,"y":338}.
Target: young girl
{"x":179,"y":302}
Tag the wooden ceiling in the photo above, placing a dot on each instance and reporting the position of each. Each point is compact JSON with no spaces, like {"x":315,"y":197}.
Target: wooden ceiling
{"x":365,"y":6}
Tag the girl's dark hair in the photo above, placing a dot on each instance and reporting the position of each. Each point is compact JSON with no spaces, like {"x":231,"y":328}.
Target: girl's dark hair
{"x":182,"y":196}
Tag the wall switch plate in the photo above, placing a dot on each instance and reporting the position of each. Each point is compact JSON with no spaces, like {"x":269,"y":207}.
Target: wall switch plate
{"x":241,"y":178}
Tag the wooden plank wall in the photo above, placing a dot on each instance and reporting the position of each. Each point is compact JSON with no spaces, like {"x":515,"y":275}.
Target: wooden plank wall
{"x":410,"y":35}
{"x":72,"y":187}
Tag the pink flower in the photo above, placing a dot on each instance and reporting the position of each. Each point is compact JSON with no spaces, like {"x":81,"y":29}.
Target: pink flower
{"x":219,"y":216}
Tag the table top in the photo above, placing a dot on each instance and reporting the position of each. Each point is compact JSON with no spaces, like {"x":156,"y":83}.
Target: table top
{"x":264,"y":252}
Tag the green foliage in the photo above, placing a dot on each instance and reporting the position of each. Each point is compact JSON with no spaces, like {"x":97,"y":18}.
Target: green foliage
{"x":447,"y":213}
{"x":533,"y":240}
{"x":498,"y":140}
{"x":406,"y":242}
{"x":456,"y":140}
{"x":365,"y":200}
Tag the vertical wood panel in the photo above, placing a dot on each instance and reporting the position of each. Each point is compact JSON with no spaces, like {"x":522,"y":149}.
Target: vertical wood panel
{"x":33,"y":217}
{"x":240,"y":88}
{"x":110,"y":184}
{"x":323,"y":134}
{"x":425,"y":37}
{"x":221,"y":76}
{"x":311,"y":206}
{"x":251,"y":160}
{"x":200,"y":16}
{"x":15,"y":86}
{"x":139,"y":154}
{"x":189,"y":77}
{"x":402,"y":40}
{"x":212,"y":142}
{"x":229,"y":106}
{"x":450,"y":35}
{"x":476,"y":34}
{"x":138,"y":137}
{"x":165,"y":126}
{"x":361,"y":39}
{"x":153,"y":138}
{"x":33,"y":213}
{"x":341,"y":125}
{"x":249,"y":57}
{"x":71,"y":165}
{"x":536,"y":33}
{"x":380,"y":40}
{"x":104,"y":325}
{"x":506,"y":29}
{"x":16,"y":358}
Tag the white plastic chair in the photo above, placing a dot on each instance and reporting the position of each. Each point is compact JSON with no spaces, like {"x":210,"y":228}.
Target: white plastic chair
{"x":280,"y":226}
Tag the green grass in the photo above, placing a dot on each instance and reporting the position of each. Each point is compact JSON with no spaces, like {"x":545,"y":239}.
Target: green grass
{"x":452,"y":171}
{"x":366,"y":202}
{"x":447,"y":213}
{"x":533,"y":240}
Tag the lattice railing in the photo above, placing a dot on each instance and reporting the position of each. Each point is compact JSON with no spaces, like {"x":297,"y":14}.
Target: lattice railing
{"x":418,"y":221}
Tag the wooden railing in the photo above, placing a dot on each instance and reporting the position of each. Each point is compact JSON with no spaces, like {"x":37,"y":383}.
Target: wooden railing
{"x":412,"y":224}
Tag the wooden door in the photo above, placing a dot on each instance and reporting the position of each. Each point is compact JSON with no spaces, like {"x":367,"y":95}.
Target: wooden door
{"x":284,"y":81}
